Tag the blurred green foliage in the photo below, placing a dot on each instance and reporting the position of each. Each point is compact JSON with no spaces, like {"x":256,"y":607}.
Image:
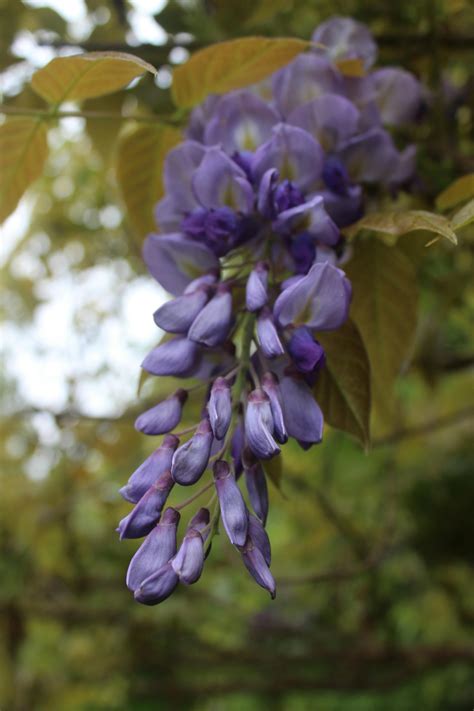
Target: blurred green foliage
{"x":372,"y":551}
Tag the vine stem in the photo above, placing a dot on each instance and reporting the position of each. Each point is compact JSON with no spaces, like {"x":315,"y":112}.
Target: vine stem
{"x":195,"y":496}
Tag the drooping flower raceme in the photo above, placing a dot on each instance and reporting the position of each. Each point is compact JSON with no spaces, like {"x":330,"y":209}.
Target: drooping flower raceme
{"x":250,"y":247}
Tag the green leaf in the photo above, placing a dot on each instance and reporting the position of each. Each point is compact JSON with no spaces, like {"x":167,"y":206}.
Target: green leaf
{"x":231,"y":65}
{"x":384,"y":309}
{"x":23,"y":153}
{"x":461,"y":190}
{"x":464,"y":216}
{"x":343,"y":385}
{"x":274,"y":470}
{"x":139,"y":168}
{"x":400,"y":223}
{"x":85,"y":76}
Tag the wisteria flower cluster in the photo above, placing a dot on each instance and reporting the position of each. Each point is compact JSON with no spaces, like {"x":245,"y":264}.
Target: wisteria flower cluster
{"x":250,"y":247}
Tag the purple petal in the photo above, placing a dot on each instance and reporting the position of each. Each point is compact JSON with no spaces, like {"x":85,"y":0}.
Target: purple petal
{"x":156,"y":550}
{"x":303,"y":80}
{"x":345,"y":38}
{"x":175,"y":357}
{"x":233,"y":510}
{"x":294,"y":153}
{"x":330,"y":119}
{"x":191,"y":459}
{"x":307,"y":354}
{"x":176,"y":316}
{"x":319,"y":300}
{"x":175,"y":260}
{"x":303,"y":416}
{"x":240,"y":122}
{"x":148,"y":472}
{"x":367,"y":156}
{"x":158,"y":586}
{"x":344,"y":209}
{"x":311,"y":218}
{"x":163,"y":417}
{"x":259,"y":538}
{"x":398,"y":95}
{"x":220,"y":182}
{"x":180,"y":165}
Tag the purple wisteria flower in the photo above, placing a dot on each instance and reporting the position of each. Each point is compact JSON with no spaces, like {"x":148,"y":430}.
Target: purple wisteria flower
{"x":249,"y":245}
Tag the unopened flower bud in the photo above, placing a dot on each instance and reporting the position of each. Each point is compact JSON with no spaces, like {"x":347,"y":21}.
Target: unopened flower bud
{"x":307,"y":354}
{"x":256,"y":293}
{"x":158,"y":586}
{"x":256,"y":486}
{"x":164,"y":416}
{"x":156,"y":550}
{"x":233,"y":510}
{"x":267,"y":335}
{"x":148,"y":472}
{"x":147,"y":511}
{"x":303,"y":416}
{"x":271,"y":388}
{"x":176,"y":316}
{"x":189,"y":560}
{"x":190,"y":460}
{"x":211,"y":326}
{"x":219,"y":407}
{"x":259,"y":425}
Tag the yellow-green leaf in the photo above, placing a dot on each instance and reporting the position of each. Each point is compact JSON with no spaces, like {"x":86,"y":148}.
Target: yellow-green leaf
{"x":351,"y":67}
{"x":231,"y":65}
{"x":343,"y":385}
{"x":85,"y":76}
{"x":400,"y":223}
{"x":23,"y":152}
{"x":461,"y":190}
{"x":141,"y":154}
{"x":384,"y":309}
{"x":464,"y":216}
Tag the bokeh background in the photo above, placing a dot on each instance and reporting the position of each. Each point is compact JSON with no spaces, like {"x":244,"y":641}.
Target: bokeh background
{"x":373,"y":551}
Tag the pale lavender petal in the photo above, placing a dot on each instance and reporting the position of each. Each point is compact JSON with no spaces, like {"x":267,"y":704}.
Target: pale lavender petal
{"x":267,"y":335}
{"x":319,"y":300}
{"x":271,"y":388}
{"x":175,"y":260}
{"x":177,"y":315}
{"x":241,"y":121}
{"x":310,"y":218}
{"x":296,"y":155}
{"x":345,"y":38}
{"x":220,"y":182}
{"x":331,"y":119}
{"x":255,"y":563}
{"x":180,"y":165}
{"x":303,"y":80}
{"x":398,"y":95}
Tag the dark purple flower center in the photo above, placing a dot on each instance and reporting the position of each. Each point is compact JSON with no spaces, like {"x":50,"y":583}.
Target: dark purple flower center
{"x":286,"y":196}
{"x":303,"y":251}
{"x":220,"y":228}
{"x":336,"y":176}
